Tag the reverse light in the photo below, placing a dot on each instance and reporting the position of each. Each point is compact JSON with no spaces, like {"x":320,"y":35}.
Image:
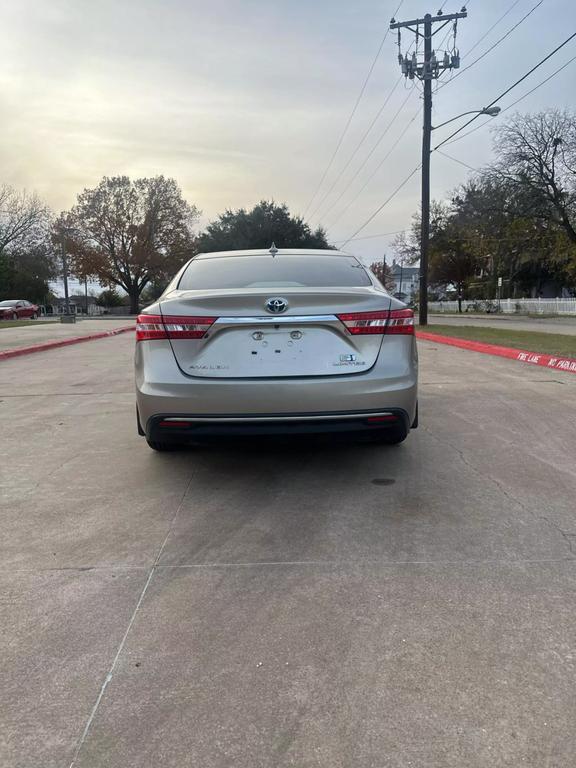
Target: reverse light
{"x":398,"y":321}
{"x":150,"y":327}
{"x":187,"y":327}
{"x":172,"y":327}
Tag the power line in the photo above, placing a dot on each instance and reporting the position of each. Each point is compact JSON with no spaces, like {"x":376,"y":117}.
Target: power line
{"x":394,"y":145}
{"x":355,"y":152}
{"x":372,"y":237}
{"x":384,"y":204}
{"x":375,"y":171}
{"x":380,"y":139}
{"x":528,"y":93}
{"x":485,"y":35}
{"x":507,"y":34}
{"x":455,"y":159}
{"x":352,"y":113}
{"x":507,"y":91}
{"x":436,"y":149}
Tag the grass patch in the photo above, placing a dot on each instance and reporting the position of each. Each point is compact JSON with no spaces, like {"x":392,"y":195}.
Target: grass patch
{"x":558,"y":344}
{"x":23,"y":323}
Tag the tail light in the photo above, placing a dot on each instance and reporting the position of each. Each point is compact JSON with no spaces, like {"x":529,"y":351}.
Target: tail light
{"x":393,"y":321}
{"x":401,"y":321}
{"x":171,"y":327}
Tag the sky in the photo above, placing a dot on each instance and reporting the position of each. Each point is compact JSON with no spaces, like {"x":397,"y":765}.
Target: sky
{"x":241,"y":100}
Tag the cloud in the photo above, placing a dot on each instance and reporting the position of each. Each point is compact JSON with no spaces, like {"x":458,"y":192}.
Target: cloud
{"x":239,"y":100}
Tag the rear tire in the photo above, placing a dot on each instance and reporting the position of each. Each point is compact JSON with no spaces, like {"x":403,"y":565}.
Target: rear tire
{"x":163,"y":446}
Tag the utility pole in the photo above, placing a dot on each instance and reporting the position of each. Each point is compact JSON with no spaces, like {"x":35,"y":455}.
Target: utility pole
{"x":65,"y":275}
{"x":427,"y":70}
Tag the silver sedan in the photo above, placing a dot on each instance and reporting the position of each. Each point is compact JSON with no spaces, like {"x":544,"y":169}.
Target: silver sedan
{"x":274,"y":341}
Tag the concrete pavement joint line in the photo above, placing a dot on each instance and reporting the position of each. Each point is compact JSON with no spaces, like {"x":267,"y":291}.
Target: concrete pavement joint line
{"x":551,"y":362}
{"x":44,"y":346}
{"x":295,"y":563}
{"x":110,"y":674}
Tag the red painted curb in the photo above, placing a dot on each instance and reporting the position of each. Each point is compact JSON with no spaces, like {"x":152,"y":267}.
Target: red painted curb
{"x":534,"y":358}
{"x":45,"y":345}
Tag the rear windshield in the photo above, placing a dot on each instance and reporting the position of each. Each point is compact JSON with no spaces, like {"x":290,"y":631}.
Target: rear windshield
{"x":273,"y":272}
{"x":8,"y":303}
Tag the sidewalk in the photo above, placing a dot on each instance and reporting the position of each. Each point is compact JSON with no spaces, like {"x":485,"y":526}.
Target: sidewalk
{"x":25,"y":336}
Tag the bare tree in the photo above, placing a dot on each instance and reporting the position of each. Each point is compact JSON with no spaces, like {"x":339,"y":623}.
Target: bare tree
{"x":537,"y":155}
{"x":129,"y":233}
{"x":24,"y":218}
{"x":384,"y":273}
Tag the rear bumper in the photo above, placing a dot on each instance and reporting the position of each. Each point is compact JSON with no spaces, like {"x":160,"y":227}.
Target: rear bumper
{"x":279,"y":404}
{"x":192,"y":427}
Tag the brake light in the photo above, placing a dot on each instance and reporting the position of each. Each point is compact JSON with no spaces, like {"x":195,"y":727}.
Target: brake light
{"x":401,"y":321}
{"x":364,"y":323}
{"x":172,"y":327}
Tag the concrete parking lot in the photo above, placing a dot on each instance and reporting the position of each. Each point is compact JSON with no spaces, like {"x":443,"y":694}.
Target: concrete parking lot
{"x":309,"y":604}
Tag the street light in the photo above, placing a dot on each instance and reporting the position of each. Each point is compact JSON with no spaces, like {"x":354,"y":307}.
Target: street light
{"x":425,"y":235}
{"x":490,"y":111}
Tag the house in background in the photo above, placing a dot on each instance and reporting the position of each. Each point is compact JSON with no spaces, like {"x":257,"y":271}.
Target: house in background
{"x":406,"y":281}
{"x":79,"y":305}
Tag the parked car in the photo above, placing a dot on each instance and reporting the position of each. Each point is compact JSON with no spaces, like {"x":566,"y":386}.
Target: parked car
{"x":275,"y":342}
{"x":16,"y":309}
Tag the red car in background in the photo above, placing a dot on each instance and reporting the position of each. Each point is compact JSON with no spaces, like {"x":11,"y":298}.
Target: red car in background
{"x":16,"y":309}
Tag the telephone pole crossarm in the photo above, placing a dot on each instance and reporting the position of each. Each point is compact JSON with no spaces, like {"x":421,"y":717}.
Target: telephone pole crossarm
{"x":418,"y":22}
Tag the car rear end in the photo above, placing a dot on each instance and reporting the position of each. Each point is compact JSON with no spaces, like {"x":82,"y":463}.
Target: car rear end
{"x":273,"y":342}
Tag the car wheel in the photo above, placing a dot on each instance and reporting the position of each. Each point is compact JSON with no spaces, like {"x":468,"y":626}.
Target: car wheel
{"x":163,"y":446}
{"x":14,"y":316}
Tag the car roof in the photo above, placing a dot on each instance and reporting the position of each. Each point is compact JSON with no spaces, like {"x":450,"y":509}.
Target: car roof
{"x":268,"y":252}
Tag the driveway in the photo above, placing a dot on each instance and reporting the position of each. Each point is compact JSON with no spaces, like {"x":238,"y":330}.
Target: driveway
{"x":311,"y":604}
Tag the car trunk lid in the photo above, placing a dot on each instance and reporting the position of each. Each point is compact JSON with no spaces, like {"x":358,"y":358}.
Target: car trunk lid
{"x":235,"y":336}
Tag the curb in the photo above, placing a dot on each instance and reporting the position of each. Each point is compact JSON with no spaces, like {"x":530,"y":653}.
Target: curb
{"x":56,"y":343}
{"x":556,"y":363}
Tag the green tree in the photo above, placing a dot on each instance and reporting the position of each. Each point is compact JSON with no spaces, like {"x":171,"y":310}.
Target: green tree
{"x":109,"y":298}
{"x":129,"y":233}
{"x":265,"y":224}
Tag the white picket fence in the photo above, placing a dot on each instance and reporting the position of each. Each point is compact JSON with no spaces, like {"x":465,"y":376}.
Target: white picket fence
{"x":514,"y":306}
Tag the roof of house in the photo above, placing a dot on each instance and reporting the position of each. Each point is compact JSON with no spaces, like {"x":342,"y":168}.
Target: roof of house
{"x":398,"y":269}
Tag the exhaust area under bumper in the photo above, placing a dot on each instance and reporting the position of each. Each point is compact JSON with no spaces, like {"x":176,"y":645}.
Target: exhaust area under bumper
{"x":186,"y":428}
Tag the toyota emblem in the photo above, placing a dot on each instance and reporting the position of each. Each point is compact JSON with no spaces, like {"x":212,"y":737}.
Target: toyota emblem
{"x":276,"y":305}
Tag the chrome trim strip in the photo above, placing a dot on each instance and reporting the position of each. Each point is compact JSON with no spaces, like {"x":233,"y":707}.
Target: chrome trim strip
{"x":276,"y":320}
{"x":256,"y":418}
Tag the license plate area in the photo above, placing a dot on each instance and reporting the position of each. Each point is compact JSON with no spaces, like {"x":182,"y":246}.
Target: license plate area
{"x":271,"y":344}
